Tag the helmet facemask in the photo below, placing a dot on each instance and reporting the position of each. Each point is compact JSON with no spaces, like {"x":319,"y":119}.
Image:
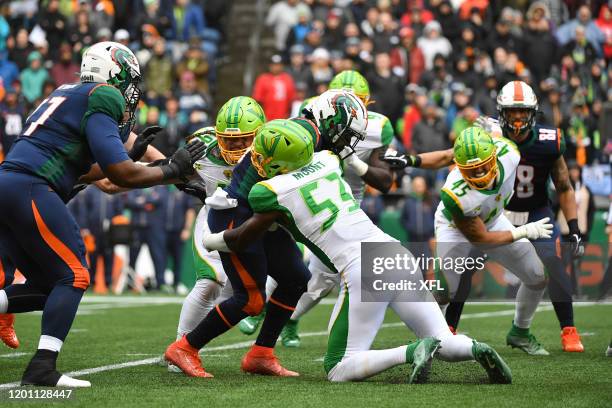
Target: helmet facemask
{"x":344,"y":137}
{"x":517,"y":127}
{"x":479,"y":174}
{"x":127,"y":82}
{"x":233,"y":143}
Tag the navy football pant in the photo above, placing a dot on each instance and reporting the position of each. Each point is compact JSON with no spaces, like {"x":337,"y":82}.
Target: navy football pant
{"x":41,"y":238}
{"x":275,"y":255}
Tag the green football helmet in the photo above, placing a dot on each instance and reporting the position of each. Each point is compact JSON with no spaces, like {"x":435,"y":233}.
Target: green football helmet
{"x":475,"y":156}
{"x":237,"y":122}
{"x":352,"y":81}
{"x":281,"y":146}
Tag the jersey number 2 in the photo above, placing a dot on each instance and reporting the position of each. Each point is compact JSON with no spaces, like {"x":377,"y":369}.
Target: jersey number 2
{"x":524,"y":177}
{"x":51,"y":105}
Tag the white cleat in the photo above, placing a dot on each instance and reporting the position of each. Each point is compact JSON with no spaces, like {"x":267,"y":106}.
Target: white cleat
{"x":70,"y":382}
{"x":609,"y":351}
{"x":174,"y":369}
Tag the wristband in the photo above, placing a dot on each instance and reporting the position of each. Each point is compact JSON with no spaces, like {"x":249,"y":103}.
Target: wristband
{"x":417,"y":161}
{"x":359,"y":167}
{"x":573,"y":227}
{"x":215,"y":242}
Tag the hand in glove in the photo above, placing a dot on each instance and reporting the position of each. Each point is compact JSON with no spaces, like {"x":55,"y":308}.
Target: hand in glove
{"x":399,"y":161}
{"x":196,"y":188}
{"x":142,"y":142}
{"x":533,"y":230}
{"x":182,"y":161}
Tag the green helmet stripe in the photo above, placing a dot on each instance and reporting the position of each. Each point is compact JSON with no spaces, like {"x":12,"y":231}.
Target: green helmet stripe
{"x":229,"y":110}
{"x":237,"y":110}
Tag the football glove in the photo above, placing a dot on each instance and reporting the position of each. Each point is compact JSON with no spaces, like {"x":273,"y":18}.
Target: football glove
{"x":534,"y":230}
{"x":400,"y":161}
{"x":484,"y":123}
{"x":182,"y":161}
{"x":196,"y":188}
{"x":142,"y":142}
{"x":575,"y":238}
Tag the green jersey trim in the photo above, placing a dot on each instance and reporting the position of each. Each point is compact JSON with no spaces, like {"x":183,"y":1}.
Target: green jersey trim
{"x":452,"y":205}
{"x":211,"y":154}
{"x":203,"y":269}
{"x":338,"y":335}
{"x":104,"y":99}
{"x":262,"y":198}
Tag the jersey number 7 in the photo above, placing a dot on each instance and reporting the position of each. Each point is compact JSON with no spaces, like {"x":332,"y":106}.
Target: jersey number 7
{"x":51,"y":105}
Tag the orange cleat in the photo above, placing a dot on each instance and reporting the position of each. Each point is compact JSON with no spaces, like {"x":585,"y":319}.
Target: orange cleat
{"x":261,"y":360}
{"x":7,"y":331}
{"x":183,"y":355}
{"x":570,"y":340}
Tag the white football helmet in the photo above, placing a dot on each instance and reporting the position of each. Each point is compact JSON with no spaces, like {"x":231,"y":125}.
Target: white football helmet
{"x":517,"y":95}
{"x":341,"y":118}
{"x":114,"y":64}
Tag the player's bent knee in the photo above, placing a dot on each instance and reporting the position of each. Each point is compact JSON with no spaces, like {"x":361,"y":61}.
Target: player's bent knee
{"x":540,"y":285}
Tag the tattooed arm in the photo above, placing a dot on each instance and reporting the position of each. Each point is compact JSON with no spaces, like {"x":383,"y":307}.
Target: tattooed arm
{"x":565,"y":192}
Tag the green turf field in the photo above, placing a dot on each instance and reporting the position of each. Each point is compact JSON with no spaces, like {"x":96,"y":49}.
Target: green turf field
{"x":110,"y":332}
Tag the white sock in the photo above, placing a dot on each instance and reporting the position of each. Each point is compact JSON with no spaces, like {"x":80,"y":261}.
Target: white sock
{"x":197,"y":304}
{"x":527,"y":301}
{"x":304,"y":305}
{"x":364,"y":364}
{"x":443,"y":308}
{"x":455,"y":348}
{"x":3,"y":302}
{"x":271,"y":286}
{"x":50,"y":343}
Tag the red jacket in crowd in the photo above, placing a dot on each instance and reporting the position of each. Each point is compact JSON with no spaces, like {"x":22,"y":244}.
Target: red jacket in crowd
{"x":275,"y":93}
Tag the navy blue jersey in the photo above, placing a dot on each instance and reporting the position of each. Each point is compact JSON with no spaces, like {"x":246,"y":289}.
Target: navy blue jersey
{"x":539,"y":152}
{"x":74,"y":127}
{"x":245,"y":176}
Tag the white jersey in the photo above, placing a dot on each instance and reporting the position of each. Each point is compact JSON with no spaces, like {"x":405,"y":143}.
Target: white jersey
{"x":320,"y":209}
{"x":379,"y":132}
{"x":215,"y":172}
{"x":460,"y":199}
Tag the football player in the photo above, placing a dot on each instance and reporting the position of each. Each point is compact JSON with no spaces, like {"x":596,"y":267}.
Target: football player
{"x":471,"y":211}
{"x":80,"y":127}
{"x":307,"y":194}
{"x":541,"y":149}
{"x":338,"y":123}
{"x":365,"y":167}
{"x":235,"y":126}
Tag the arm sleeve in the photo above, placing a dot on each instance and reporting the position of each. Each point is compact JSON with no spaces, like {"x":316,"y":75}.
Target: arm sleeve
{"x":262,"y":199}
{"x":104,"y":140}
{"x":387,"y":132}
{"x":451,"y":203}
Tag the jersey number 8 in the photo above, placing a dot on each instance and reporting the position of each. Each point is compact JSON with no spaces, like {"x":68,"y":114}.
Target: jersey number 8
{"x":524,"y":185}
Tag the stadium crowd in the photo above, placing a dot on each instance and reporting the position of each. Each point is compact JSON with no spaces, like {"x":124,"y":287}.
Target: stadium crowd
{"x":433,"y":67}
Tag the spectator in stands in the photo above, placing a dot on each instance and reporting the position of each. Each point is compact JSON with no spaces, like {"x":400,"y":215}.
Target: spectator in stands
{"x":189,"y":98}
{"x":320,"y":71}
{"x":282,"y":16}
{"x":581,"y":50}
{"x":33,"y":78}
{"x":12,"y":119}
{"x":358,"y":10}
{"x":152,"y":16}
{"x":174,"y":123}
{"x":554,"y":110}
{"x":430,"y":133}
{"x":297,"y":64}
{"x":604,"y":22}
{"x":502,"y":37}
{"x":567,"y":32}
{"x":485,"y":97}
{"x":408,"y":57}
{"x":451,"y":25}
{"x":418,"y":217}
{"x":122,"y":36}
{"x":579,"y":135}
{"x":81,"y":32}
{"x":372,"y":204}
{"x":386,"y":33}
{"x":19,"y":53}
{"x":179,"y":219}
{"x":334,"y":31}
{"x":386,"y":87}
{"x":275,"y":90}
{"x":297,"y":34}
{"x":464,"y":73}
{"x":413,"y":113}
{"x":432,"y":43}
{"x":65,"y":71}
{"x":55,"y":26}
{"x":370,"y":25}
{"x":437,"y":82}
{"x":196,"y":61}
{"x":9,"y":72}
{"x":159,"y":75}
{"x":540,"y":49}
